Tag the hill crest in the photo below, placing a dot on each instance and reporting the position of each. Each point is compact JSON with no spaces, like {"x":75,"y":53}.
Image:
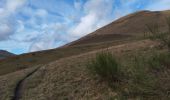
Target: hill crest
{"x":131,"y":25}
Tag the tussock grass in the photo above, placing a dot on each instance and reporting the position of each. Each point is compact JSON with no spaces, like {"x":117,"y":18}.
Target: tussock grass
{"x":140,"y":76}
{"x":106,"y":66}
{"x":146,"y":73}
{"x":159,"y":61}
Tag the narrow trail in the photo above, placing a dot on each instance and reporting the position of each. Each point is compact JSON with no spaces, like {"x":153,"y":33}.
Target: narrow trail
{"x":17,"y":90}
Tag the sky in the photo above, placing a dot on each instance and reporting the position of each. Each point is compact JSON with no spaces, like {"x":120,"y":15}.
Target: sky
{"x":34,"y":25}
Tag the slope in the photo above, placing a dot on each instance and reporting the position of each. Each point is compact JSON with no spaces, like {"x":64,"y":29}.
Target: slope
{"x":123,"y":30}
{"x":5,"y":54}
{"x":129,"y":26}
{"x":64,"y":73}
{"x":69,"y":78}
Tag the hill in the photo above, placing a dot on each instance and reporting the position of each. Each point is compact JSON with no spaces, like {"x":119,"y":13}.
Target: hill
{"x":63,"y":73}
{"x":121,"y":31}
{"x":126,"y":27}
{"x":5,"y":54}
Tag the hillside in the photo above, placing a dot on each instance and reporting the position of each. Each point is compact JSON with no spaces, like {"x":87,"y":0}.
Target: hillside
{"x":126,"y":27}
{"x":5,"y":54}
{"x":123,"y":30}
{"x":63,"y":73}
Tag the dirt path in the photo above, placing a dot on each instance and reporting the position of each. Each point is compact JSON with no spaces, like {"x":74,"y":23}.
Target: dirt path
{"x":17,"y":90}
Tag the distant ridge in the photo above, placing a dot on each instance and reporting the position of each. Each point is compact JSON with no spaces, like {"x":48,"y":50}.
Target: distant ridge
{"x":5,"y":54}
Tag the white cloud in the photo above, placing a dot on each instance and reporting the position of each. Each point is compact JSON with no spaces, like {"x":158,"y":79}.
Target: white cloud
{"x":5,"y":30}
{"x":50,"y":37}
{"x":37,"y":17}
{"x":96,"y":15}
{"x":159,"y":5}
{"x":45,"y":41}
{"x":86,"y":25}
{"x":7,"y":22}
{"x":12,"y":5}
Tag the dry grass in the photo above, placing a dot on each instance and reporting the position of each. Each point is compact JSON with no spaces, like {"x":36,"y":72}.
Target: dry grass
{"x":43,"y":57}
{"x":66,"y":79}
{"x":8,"y":83}
{"x":69,"y":78}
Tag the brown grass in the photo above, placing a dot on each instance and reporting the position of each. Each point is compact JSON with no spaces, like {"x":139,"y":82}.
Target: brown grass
{"x":43,"y":57}
{"x":64,"y":74}
{"x":8,"y":83}
{"x":69,"y":78}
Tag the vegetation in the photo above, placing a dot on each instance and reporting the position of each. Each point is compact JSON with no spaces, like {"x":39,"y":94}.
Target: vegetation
{"x":155,"y":33}
{"x":146,"y":75}
{"x":142,"y":74}
{"x":134,"y":71}
{"x":32,"y":59}
{"x":160,"y":61}
{"x":106,"y":66}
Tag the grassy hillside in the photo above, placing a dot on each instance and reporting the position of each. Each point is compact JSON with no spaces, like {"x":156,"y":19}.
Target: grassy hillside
{"x":130,"y":25}
{"x":142,"y":66}
{"x":70,"y":78}
{"x":120,"y":31}
{"x":8,"y":83}
{"x":43,"y":57}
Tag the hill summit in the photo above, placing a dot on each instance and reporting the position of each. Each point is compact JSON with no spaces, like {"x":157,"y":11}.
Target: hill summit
{"x":128,"y":26}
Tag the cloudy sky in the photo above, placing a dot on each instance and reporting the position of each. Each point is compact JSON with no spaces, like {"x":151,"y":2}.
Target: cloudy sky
{"x":32,"y":25}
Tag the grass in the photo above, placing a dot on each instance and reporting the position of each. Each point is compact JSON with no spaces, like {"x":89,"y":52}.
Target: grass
{"x":106,"y":66}
{"x":160,"y":61}
{"x":8,"y":83}
{"x":140,"y":76}
{"x":32,"y":59}
{"x":69,"y":78}
{"x":146,"y":73}
{"x":156,"y":34}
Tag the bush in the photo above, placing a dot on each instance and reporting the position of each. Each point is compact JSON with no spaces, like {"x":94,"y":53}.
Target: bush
{"x":106,"y":66}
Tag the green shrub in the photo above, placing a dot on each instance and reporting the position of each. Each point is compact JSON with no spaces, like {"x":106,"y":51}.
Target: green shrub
{"x":106,"y":66}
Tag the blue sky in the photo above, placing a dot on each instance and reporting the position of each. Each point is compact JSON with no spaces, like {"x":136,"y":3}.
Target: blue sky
{"x":33,"y":25}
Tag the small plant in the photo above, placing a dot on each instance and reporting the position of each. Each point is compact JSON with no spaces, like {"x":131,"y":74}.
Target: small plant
{"x":162,"y":36}
{"x":106,"y":66}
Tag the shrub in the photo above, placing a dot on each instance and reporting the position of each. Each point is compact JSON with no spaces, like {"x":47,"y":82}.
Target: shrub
{"x":106,"y":66}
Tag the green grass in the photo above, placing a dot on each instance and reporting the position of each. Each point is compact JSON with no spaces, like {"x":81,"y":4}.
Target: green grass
{"x":106,"y":66}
